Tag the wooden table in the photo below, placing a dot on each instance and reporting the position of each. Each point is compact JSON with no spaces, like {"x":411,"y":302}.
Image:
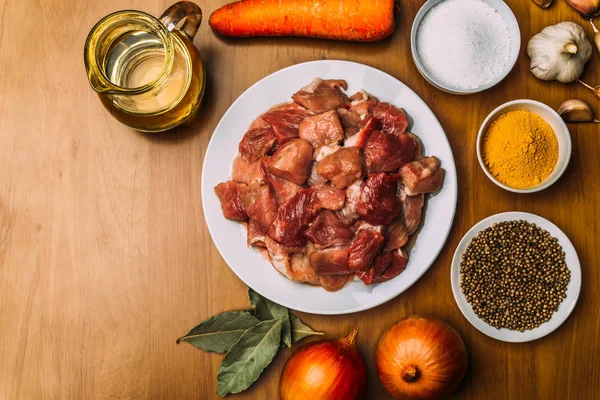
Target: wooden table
{"x":105,"y":258}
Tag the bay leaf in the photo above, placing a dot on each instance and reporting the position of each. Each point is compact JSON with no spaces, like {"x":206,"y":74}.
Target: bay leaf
{"x":265,"y":309}
{"x":300,"y":330}
{"x":248,"y":357}
{"x":220,"y":332}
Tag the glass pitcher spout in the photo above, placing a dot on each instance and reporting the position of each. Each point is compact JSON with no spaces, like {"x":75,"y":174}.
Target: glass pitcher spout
{"x":147,"y":72}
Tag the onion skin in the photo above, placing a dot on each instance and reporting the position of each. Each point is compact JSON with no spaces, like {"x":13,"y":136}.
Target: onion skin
{"x":325,"y":370}
{"x":421,"y":358}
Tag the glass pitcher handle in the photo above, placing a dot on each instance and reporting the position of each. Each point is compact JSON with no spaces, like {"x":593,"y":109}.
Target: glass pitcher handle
{"x":179,"y":11}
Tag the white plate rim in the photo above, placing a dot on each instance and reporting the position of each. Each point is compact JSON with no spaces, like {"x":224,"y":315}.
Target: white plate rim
{"x":566,"y":306}
{"x":449,"y":165}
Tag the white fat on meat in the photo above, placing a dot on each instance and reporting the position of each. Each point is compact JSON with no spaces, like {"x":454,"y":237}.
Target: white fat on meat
{"x":324,"y":151}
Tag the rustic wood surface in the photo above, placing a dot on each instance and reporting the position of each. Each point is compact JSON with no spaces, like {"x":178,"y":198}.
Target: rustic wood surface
{"x":105,"y":258}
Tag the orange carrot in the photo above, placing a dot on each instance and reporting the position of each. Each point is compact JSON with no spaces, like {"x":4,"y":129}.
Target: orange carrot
{"x":358,"y":20}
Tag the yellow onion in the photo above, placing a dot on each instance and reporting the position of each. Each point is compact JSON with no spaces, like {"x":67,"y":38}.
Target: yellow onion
{"x":325,"y":370}
{"x":587,"y":8}
{"x":421,"y":358}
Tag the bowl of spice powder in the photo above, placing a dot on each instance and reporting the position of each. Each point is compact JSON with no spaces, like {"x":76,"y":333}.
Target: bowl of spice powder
{"x":524,"y":146}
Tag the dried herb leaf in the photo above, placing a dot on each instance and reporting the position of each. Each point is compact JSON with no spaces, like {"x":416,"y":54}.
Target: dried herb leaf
{"x":247,"y":358}
{"x":300,"y":330}
{"x":265,"y":310}
{"x":220,"y":332}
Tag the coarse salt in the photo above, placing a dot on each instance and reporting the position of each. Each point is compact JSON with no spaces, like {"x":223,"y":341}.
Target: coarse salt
{"x":463,"y":44}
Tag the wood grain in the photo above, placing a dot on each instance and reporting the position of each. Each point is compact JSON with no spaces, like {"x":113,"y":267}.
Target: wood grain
{"x":105,"y":258}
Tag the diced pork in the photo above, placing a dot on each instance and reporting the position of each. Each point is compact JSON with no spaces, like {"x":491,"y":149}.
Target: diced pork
{"x":326,"y":230}
{"x":293,"y":218}
{"x":286,"y":120}
{"x":342,"y":167}
{"x":333,"y":283}
{"x":333,"y":261}
{"x":386,"y":153}
{"x":315,"y":178}
{"x":366,"y":127}
{"x":320,"y":96}
{"x":422,"y":176}
{"x":349,"y":120}
{"x":412,"y":208}
{"x":393,"y":120}
{"x":363,"y":249}
{"x":231,"y":194}
{"x":256,"y":236}
{"x":363,"y":104}
{"x":329,"y":197}
{"x":396,"y":235}
{"x":418,"y":145}
{"x":378,"y":204}
{"x":292,"y":161}
{"x":249,"y":173}
{"x":322,"y":129}
{"x":260,"y":206}
{"x":256,"y":143}
{"x":348,"y":215}
{"x":283,"y":189}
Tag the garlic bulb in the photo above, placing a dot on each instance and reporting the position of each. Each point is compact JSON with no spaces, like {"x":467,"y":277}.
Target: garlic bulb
{"x":559,"y":52}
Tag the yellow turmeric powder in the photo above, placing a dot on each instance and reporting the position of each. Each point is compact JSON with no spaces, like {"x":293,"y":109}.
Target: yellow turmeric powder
{"x":520,"y":149}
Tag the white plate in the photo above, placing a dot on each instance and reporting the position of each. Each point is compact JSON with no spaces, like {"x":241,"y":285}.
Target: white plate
{"x":565,"y":307}
{"x":230,"y":237}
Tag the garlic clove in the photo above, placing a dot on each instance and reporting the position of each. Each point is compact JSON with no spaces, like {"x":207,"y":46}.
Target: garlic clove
{"x":587,"y":8}
{"x":543,"y":3}
{"x":576,"y":110}
{"x":596,"y":35}
{"x":596,"y":89}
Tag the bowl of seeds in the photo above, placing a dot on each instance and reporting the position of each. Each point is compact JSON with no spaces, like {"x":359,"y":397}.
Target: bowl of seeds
{"x":516,"y":276}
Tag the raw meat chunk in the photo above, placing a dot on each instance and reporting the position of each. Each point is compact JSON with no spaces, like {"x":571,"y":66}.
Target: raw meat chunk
{"x":395,"y":267}
{"x":283,"y":189}
{"x":385,"y":152}
{"x":366,"y":127}
{"x":322,"y":129}
{"x":393,"y":120}
{"x":292,"y":161}
{"x":333,"y":283}
{"x":293,"y":218}
{"x":285,"y":121}
{"x":378,"y":204}
{"x":418,"y":145}
{"x":396,"y":235}
{"x":260,"y":206}
{"x":342,"y":167}
{"x":349,"y":120}
{"x":332,"y":261}
{"x":231,"y":194}
{"x":256,"y":236}
{"x":320,"y":96}
{"x":363,"y":104}
{"x":422,"y":176}
{"x":315,"y":178}
{"x":326,"y":230}
{"x":256,"y":143}
{"x":363,"y":249}
{"x":249,"y":173}
{"x":412,"y":207}
{"x":329,"y":197}
{"x":348,"y":215}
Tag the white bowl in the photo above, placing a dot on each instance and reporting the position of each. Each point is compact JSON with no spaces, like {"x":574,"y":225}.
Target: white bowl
{"x":230,"y":236}
{"x":564,"y":309}
{"x":515,"y":35}
{"x":553,"y":119}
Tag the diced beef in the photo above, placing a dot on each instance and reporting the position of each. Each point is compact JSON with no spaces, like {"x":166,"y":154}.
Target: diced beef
{"x":322,"y":129}
{"x":256,"y":236}
{"x":378,"y":204}
{"x":249,"y":173}
{"x":342,"y":167}
{"x":333,"y":283}
{"x":394,"y":268}
{"x":393,"y":120}
{"x":329,"y":197}
{"x":326,"y":230}
{"x":280,"y":257}
{"x":320,"y":96}
{"x":386,"y":153}
{"x":315,"y":178}
{"x":293,"y":218}
{"x":363,"y":249}
{"x":286,"y":120}
{"x":260,"y":206}
{"x":231,"y":194}
{"x":422,"y":176}
{"x":256,"y":143}
{"x":363,"y":104}
{"x":418,"y":145}
{"x":333,"y":261}
{"x":300,"y":269}
{"x":292,"y":161}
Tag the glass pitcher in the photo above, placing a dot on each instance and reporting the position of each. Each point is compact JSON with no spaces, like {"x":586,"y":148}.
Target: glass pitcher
{"x":147,"y":71}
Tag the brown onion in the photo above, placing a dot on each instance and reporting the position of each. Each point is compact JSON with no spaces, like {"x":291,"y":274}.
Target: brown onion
{"x":325,"y":370}
{"x":421,"y":358}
